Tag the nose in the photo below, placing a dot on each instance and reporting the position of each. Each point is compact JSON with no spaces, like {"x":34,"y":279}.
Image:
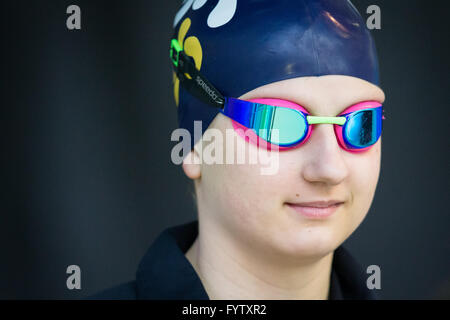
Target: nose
{"x":324,"y":159}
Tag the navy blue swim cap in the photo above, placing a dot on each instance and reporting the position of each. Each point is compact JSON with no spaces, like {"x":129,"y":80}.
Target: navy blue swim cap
{"x":239,"y":45}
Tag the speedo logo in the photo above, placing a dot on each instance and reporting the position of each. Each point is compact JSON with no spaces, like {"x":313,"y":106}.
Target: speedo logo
{"x":208,"y":90}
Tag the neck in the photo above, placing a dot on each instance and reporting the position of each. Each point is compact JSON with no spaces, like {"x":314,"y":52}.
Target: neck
{"x":229,"y":271}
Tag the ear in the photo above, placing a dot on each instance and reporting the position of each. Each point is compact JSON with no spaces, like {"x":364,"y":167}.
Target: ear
{"x":192,"y":165}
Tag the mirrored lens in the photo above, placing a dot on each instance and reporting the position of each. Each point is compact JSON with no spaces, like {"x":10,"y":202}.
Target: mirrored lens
{"x":291,"y":126}
{"x":363,"y":128}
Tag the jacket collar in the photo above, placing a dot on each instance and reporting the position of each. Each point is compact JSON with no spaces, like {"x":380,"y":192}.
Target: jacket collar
{"x":165,"y":273}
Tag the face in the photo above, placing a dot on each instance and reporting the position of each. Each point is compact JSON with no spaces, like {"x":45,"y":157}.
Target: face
{"x":258,"y":212}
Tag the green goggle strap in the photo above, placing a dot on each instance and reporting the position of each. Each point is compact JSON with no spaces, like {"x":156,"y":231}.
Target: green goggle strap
{"x":332,"y":120}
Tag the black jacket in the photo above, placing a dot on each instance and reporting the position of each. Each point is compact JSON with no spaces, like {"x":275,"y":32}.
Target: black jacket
{"x":165,"y":273}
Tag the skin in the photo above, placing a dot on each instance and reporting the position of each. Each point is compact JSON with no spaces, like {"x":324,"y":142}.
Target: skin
{"x":251,"y":245}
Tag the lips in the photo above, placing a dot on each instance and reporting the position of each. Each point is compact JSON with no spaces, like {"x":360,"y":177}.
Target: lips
{"x":318,"y":204}
{"x":316,"y":209}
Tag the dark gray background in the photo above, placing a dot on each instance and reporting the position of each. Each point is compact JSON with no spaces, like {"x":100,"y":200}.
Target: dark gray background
{"x":87,"y":118}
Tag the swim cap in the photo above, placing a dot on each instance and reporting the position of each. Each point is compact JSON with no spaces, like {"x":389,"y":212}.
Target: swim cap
{"x":239,"y":45}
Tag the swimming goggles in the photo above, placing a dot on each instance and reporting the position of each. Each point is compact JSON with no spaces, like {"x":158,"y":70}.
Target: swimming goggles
{"x":357,"y":128}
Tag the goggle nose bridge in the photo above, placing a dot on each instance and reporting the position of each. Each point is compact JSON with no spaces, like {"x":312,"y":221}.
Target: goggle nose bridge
{"x":332,"y":120}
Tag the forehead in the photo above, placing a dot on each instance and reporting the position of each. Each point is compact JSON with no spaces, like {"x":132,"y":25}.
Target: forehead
{"x":322,"y":96}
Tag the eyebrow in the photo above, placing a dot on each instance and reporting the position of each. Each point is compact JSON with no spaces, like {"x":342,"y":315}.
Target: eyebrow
{"x":345,"y":98}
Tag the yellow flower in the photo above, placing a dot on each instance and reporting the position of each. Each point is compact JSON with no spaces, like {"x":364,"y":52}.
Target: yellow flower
{"x":192,"y":48}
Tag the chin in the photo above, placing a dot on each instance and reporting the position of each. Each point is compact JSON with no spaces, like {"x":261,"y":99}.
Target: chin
{"x":313,"y":242}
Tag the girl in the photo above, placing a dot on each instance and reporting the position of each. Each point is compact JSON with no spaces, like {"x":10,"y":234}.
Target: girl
{"x":298,"y":79}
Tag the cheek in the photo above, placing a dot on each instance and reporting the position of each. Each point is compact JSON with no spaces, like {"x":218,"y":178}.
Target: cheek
{"x":365,"y":174}
{"x":245,"y":199}
{"x":249,"y":194}
{"x":368,"y":172}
